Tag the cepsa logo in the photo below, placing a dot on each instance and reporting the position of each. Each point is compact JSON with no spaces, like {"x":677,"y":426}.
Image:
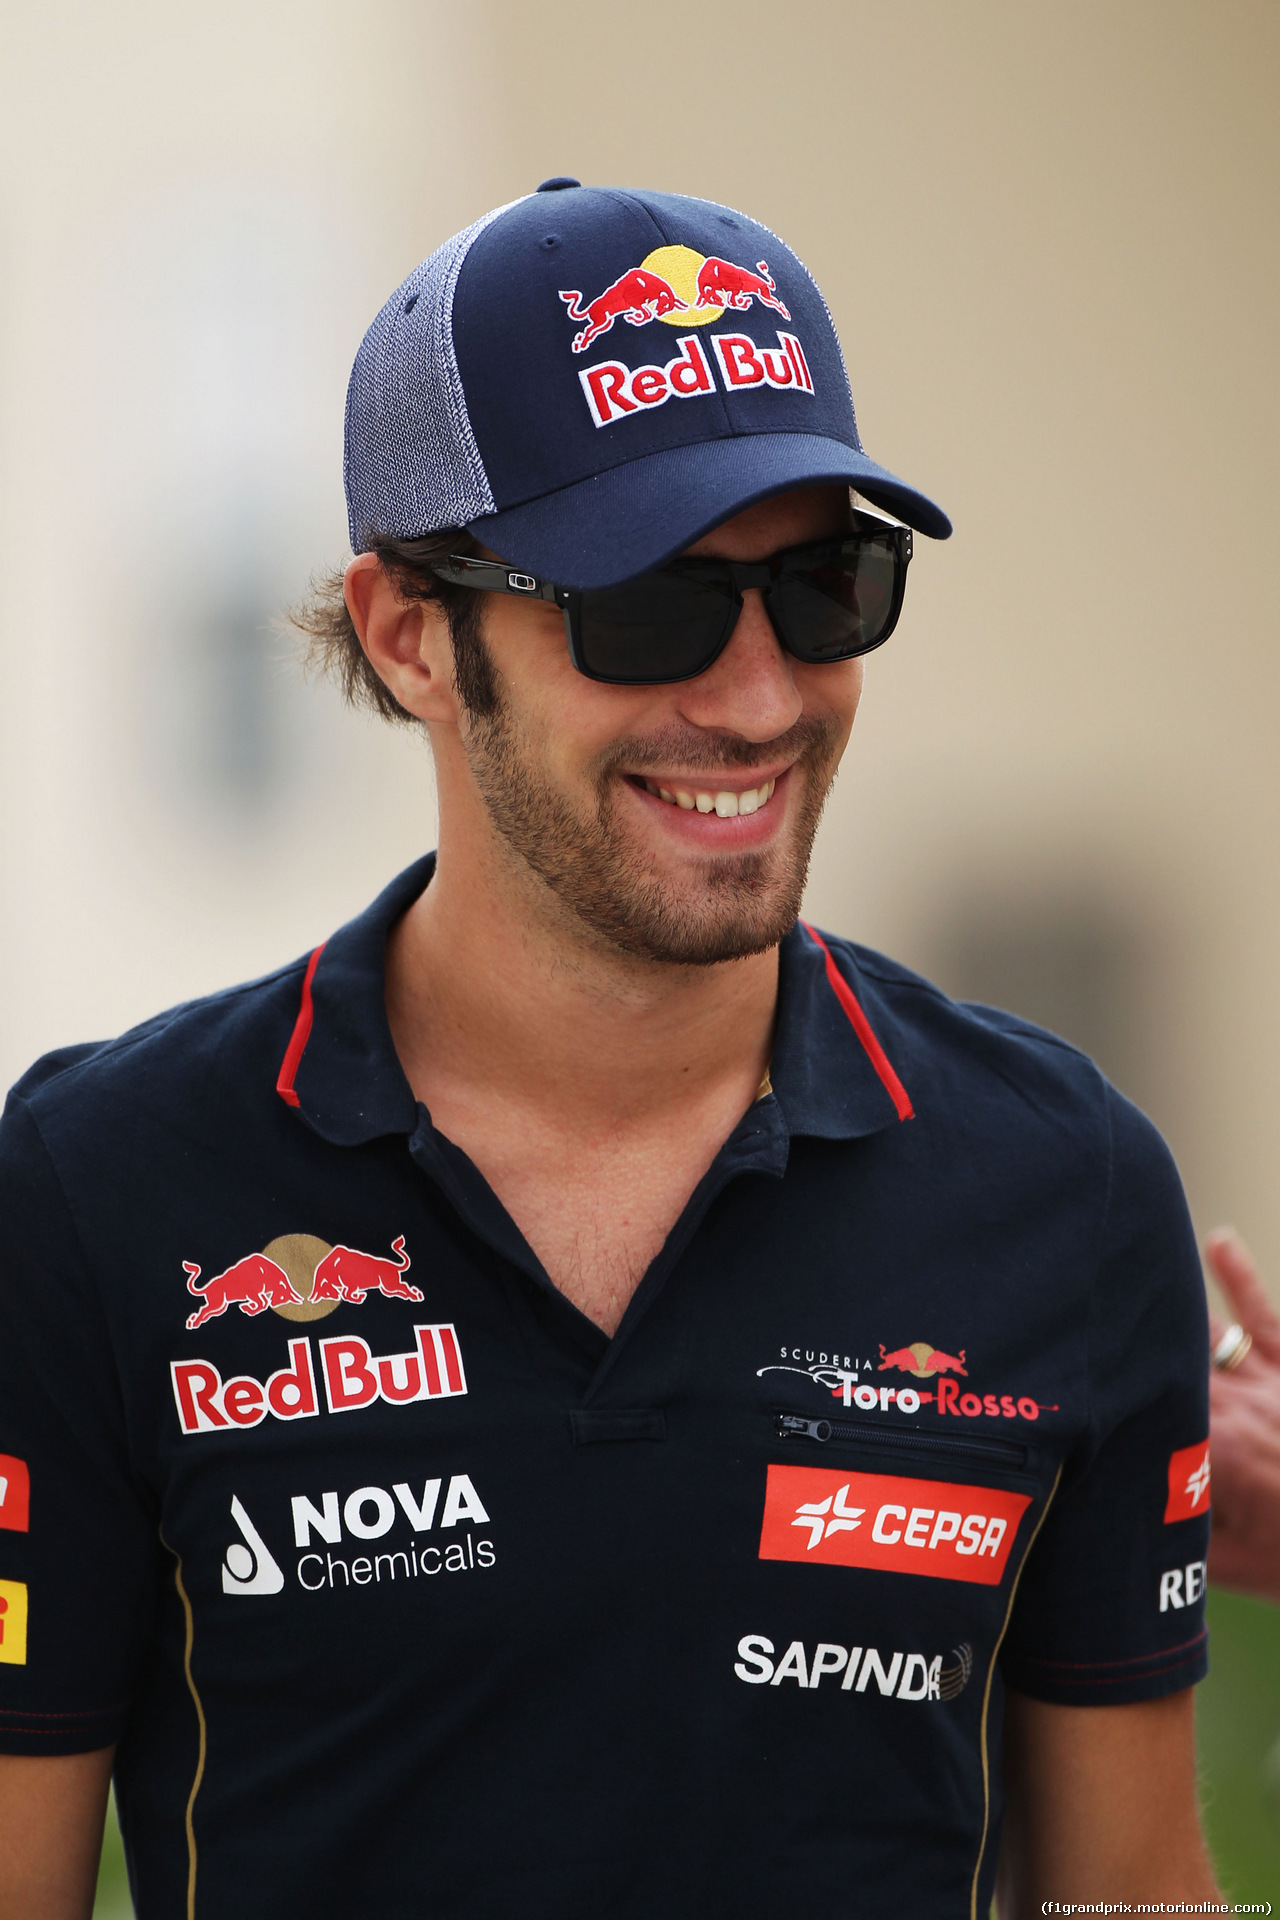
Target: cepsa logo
{"x":683,"y":288}
{"x":828,"y":1517}
{"x":354,"y":1377}
{"x":1189,"y":1475}
{"x":368,"y":1513}
{"x":924,"y":1363}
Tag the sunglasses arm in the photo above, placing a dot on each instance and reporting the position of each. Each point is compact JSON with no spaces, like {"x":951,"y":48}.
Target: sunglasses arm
{"x":493,"y":576}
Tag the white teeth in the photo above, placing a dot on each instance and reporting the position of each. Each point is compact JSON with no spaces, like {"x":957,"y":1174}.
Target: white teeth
{"x":723,"y":803}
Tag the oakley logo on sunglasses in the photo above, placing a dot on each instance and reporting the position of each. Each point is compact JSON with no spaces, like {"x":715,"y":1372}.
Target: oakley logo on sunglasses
{"x":614,"y":391}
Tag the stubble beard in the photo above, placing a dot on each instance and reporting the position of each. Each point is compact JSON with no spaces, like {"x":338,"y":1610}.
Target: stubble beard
{"x":739,"y":904}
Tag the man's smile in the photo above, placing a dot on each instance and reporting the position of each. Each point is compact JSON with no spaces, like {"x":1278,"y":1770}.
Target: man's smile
{"x":726,"y":802}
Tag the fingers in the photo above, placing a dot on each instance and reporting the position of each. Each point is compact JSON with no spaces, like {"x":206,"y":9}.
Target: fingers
{"x":1232,"y":1266}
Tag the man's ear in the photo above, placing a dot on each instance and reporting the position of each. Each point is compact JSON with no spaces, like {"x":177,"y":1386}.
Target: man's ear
{"x":407,"y":641}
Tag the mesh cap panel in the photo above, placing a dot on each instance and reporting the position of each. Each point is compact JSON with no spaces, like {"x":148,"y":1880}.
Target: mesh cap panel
{"x":410,"y":461}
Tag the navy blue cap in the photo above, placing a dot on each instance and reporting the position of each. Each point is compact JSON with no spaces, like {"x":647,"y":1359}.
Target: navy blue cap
{"x":591,"y":378}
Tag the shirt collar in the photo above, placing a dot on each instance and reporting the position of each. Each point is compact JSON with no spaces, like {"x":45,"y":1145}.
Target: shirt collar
{"x":830,"y":1075}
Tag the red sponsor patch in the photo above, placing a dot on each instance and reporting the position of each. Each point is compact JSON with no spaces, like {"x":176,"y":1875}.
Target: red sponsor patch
{"x":15,"y":1493}
{"x":884,"y":1520}
{"x":1188,"y":1483}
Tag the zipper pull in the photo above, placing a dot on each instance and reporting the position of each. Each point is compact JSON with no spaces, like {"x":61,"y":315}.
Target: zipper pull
{"x":791,"y":1427}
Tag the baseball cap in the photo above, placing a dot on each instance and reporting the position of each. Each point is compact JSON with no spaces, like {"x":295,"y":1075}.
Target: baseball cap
{"x":591,"y":378}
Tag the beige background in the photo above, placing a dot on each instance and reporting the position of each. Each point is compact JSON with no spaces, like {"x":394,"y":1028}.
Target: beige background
{"x":1048,"y":235}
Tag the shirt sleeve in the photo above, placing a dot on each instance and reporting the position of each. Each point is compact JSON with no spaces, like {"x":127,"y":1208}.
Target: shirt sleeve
{"x":1110,"y":1607}
{"x":79,"y":1547}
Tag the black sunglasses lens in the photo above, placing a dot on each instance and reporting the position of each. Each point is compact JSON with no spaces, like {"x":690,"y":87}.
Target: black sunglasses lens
{"x":840,"y":606}
{"x":659,"y":627}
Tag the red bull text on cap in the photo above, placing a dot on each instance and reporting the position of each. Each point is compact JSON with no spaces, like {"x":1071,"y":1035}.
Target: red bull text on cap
{"x":524,"y":383}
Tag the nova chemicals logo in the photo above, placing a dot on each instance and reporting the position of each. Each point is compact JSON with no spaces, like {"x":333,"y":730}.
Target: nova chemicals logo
{"x":248,"y":1566}
{"x":424,"y":1529}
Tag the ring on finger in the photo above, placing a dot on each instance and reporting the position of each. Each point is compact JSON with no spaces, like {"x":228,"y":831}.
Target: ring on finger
{"x":1232,"y":1348}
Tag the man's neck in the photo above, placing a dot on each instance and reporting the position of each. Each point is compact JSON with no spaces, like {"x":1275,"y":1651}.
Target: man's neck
{"x":491,"y":986}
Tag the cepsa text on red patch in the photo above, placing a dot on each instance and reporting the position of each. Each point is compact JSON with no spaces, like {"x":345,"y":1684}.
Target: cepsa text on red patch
{"x":829,"y":1517}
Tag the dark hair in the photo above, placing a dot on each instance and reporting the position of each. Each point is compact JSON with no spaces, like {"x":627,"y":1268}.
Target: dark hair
{"x":333,"y":645}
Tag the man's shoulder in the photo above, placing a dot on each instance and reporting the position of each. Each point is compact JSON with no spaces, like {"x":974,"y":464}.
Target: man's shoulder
{"x":916,"y":1002}
{"x":182,"y":1056}
{"x":974,"y":1055}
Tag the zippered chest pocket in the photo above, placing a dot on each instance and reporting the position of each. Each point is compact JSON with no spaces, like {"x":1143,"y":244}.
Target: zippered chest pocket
{"x":848,"y":1493}
{"x":967,"y":1449}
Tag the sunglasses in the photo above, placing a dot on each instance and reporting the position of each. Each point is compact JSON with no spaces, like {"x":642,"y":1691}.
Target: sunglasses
{"x":827,"y":601}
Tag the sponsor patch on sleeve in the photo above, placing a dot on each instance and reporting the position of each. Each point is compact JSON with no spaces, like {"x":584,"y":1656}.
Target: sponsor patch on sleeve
{"x":15,"y":1494}
{"x":13,"y":1623}
{"x":1188,"y":1483}
{"x":832,"y":1518}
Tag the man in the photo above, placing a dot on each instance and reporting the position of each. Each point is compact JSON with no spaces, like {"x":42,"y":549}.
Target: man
{"x":1244,"y":1402}
{"x":584,"y":1395}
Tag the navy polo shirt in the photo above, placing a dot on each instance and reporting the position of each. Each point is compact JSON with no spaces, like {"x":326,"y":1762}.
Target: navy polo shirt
{"x":403,"y":1589}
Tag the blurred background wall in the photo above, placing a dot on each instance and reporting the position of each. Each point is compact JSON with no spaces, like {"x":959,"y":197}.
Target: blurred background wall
{"x":1049,"y":239}
{"x":1048,"y":235}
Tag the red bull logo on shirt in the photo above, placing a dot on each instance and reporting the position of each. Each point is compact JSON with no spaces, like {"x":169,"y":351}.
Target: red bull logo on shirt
{"x":683,"y":288}
{"x":301,"y":1278}
{"x":922,"y":1360}
{"x":353,"y":1378}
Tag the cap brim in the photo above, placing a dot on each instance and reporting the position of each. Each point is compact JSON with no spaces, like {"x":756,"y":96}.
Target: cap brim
{"x":635,"y":516}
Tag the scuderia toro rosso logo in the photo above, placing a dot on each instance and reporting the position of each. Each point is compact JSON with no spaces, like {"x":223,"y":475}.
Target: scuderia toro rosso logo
{"x":683,"y":288}
{"x":301,"y":1278}
{"x":940,"y":1389}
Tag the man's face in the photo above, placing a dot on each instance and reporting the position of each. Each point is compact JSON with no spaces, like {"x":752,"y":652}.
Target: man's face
{"x":675,"y":823}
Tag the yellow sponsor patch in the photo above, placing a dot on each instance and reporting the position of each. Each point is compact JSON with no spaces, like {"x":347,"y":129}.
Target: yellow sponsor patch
{"x":13,"y":1623}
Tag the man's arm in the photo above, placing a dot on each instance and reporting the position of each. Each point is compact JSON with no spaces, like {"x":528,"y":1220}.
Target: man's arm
{"x":1244,"y":1405}
{"x":1101,"y":1805}
{"x":51,"y":1815}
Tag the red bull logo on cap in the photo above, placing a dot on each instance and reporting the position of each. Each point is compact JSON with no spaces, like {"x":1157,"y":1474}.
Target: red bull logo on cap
{"x":300,"y":1278}
{"x":675,"y":284}
{"x":683,"y":288}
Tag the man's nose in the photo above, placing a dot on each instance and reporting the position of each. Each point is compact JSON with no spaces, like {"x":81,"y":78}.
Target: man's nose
{"x":751,"y":689}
